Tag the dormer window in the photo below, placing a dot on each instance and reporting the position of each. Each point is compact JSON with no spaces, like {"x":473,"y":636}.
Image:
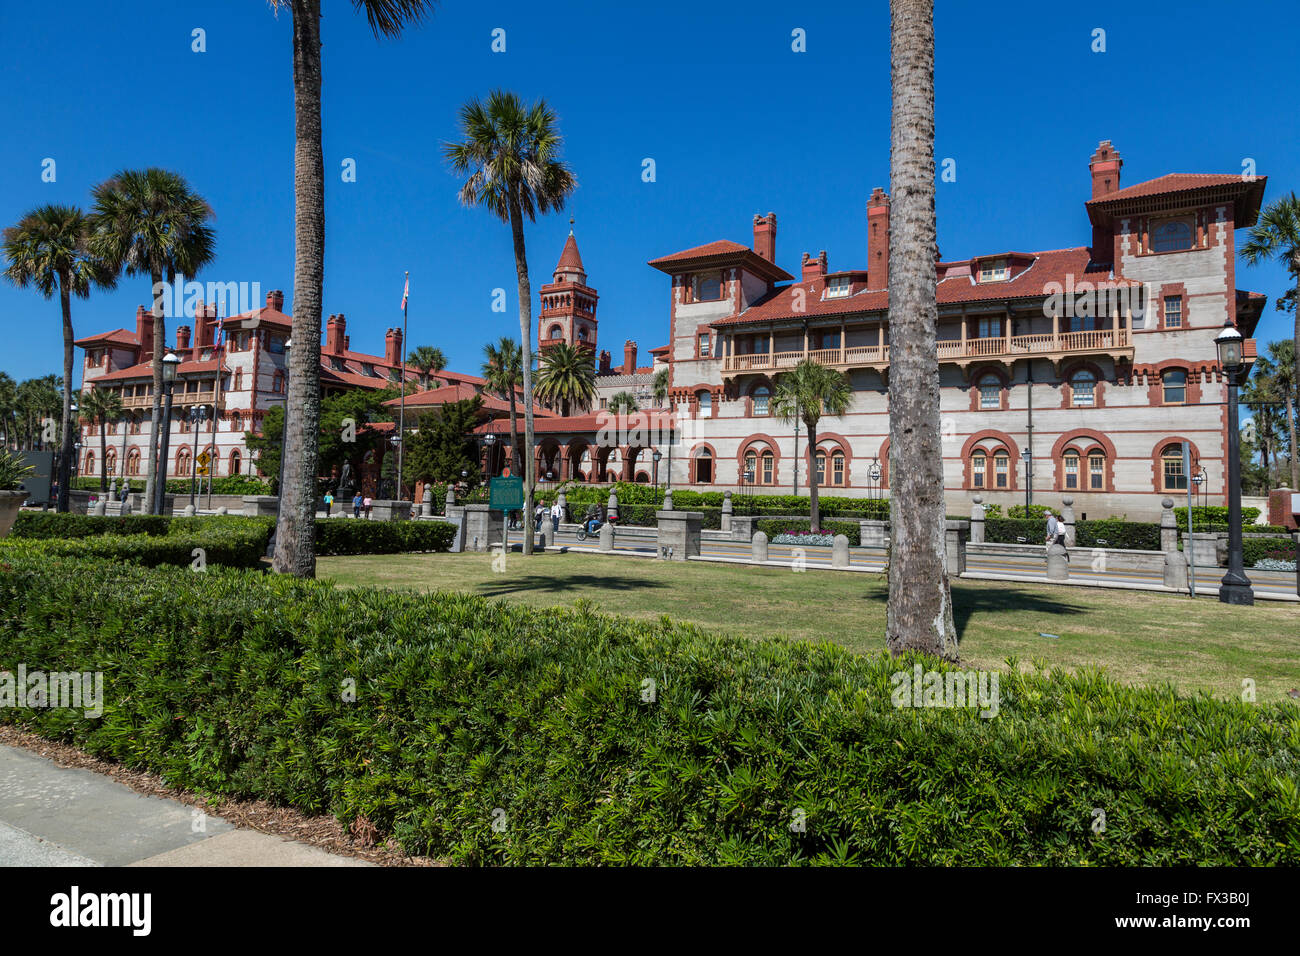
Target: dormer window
{"x":706,"y":286}
{"x":994,"y":270}
{"x":367,"y":368}
{"x":837,"y":287}
{"x":1172,"y":235}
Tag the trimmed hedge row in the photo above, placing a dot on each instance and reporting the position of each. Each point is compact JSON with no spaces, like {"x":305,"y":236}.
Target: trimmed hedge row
{"x":774,"y":526}
{"x":431,"y":714}
{"x":1115,"y":533}
{"x":1257,"y":549}
{"x":685,"y":499}
{"x":53,"y":524}
{"x":227,"y":545}
{"x":382,"y":537}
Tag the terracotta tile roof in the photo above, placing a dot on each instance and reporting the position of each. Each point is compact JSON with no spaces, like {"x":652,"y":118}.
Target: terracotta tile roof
{"x":461,"y":391}
{"x":1248,"y":194}
{"x":569,"y":258}
{"x":550,"y":425}
{"x":145,"y":370}
{"x":724,"y":250}
{"x":1057,"y":265}
{"x":120,"y":336}
{"x":1171,"y":183}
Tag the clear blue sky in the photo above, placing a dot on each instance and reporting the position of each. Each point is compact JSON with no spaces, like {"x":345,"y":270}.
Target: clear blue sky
{"x":736,"y":122}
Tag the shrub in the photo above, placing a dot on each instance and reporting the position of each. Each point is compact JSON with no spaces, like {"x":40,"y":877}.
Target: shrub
{"x":228,"y":546}
{"x":1212,"y":517}
{"x":350,"y":536}
{"x":53,"y":524}
{"x":1008,"y":530}
{"x":775,"y":526}
{"x":1033,"y":512}
{"x":1117,"y":533}
{"x":228,"y":683}
{"x":1258,"y":549}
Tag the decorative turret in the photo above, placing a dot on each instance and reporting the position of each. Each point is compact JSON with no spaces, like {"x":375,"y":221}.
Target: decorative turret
{"x":568,"y":312}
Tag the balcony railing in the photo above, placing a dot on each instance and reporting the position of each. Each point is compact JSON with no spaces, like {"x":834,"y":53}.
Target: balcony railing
{"x":950,"y":350}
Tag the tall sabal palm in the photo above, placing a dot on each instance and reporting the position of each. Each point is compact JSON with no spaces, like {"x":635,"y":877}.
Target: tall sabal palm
{"x":37,"y":399}
{"x":49,"y":249}
{"x":567,"y":376}
{"x":295,"y":545}
{"x":100,"y":406}
{"x":624,"y":402}
{"x":504,"y":372}
{"x":919,"y":613}
{"x":8,"y":406}
{"x":510,"y":155}
{"x":149,"y":222}
{"x":659,"y":387}
{"x":1259,"y":395}
{"x":426,"y":359}
{"x":807,"y":392}
{"x":1276,"y":237}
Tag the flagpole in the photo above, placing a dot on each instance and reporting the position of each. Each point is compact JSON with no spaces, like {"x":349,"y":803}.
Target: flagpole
{"x":401,"y":380}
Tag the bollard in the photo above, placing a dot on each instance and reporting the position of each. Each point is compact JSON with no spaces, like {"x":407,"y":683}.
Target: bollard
{"x":1058,"y":563}
{"x":668,"y":500}
{"x":101,"y":506}
{"x":977,"y":520}
{"x":1168,"y":526}
{"x":544,"y":534}
{"x":1067,"y":519}
{"x":613,"y":504}
{"x":450,"y":501}
{"x":607,"y":536}
{"x":1176,"y":570}
{"x":189,"y":511}
{"x":840,"y":552}
{"x":426,"y":502}
{"x":759,"y":546}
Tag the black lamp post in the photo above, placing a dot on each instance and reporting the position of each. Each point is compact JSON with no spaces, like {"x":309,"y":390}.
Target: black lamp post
{"x":656,"y":458}
{"x":1029,"y":476}
{"x":490,"y":440}
{"x":198,"y":415}
{"x":170,"y":363}
{"x":1235,"y":587}
{"x":874,"y":474}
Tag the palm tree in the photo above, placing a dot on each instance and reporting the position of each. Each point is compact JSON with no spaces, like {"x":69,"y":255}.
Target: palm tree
{"x":919,"y":615}
{"x":807,"y":392}
{"x":659,"y":387}
{"x":510,"y":154}
{"x":503,"y":369}
{"x":8,"y":406}
{"x":149,"y":222}
{"x":623,"y":402}
{"x":1281,"y":368}
{"x":49,"y":249}
{"x":1260,"y":394}
{"x":100,"y":405}
{"x":426,"y":359}
{"x":1276,"y":236}
{"x":295,"y":544}
{"x":567,"y":376}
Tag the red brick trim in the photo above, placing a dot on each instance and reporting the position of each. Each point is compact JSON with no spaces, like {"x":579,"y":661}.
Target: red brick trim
{"x":1157,"y":471}
{"x":1098,"y":391}
{"x":1153,"y":371}
{"x":1084,"y":440}
{"x":993,"y":437}
{"x":1172,"y":288}
{"x":752,"y":442}
{"x":694,"y":461}
{"x":883,"y":461}
{"x":977,"y":373}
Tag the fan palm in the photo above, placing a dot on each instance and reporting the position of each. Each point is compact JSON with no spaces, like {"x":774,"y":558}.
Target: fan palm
{"x":426,"y":359}
{"x":567,"y":377}
{"x":49,"y":249}
{"x":919,"y":611}
{"x":659,"y":387}
{"x":807,"y":392}
{"x":295,"y":546}
{"x":503,"y":370}
{"x":510,"y":156}
{"x":623,"y":402}
{"x":100,"y":405}
{"x":149,"y":222}
{"x":1276,"y":236}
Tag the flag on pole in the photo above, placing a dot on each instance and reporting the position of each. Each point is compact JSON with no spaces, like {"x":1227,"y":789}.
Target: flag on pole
{"x":406,"y":291}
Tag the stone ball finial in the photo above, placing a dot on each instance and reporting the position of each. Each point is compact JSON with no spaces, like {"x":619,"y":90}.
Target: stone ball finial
{"x":1167,"y":503}
{"x":726,"y":494}
{"x":1067,"y":501}
{"x":978,"y":499}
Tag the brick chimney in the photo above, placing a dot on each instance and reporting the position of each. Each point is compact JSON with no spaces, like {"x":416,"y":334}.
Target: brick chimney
{"x":765,"y":236}
{"x":814,"y":268}
{"x":629,"y":357}
{"x":604,"y":361}
{"x":202,"y":329}
{"x":182,"y":337}
{"x":878,"y":239}
{"x":393,"y":347}
{"x":1104,"y":166}
{"x":335,"y":340}
{"x":275,"y":300}
{"x":144,"y":331}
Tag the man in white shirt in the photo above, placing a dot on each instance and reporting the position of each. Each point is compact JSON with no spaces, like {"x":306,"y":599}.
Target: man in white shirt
{"x":557,"y":513}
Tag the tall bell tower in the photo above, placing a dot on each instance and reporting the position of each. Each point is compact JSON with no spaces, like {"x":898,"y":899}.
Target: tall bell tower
{"x":568,"y":312}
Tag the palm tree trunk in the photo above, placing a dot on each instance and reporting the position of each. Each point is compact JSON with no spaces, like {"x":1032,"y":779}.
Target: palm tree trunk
{"x":295,"y":545}
{"x":1290,"y":410}
{"x":155,"y":412}
{"x":1288,"y":402}
{"x":65,"y":455}
{"x":526,"y":360}
{"x":814,"y":511}
{"x":920,"y":602}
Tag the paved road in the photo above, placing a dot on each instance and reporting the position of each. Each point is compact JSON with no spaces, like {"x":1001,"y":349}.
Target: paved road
{"x":66,"y":816}
{"x":872,"y":559}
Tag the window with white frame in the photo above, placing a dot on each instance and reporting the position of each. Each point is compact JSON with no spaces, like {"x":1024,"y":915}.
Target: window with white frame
{"x":706,"y":286}
{"x":1083,"y":389}
{"x":994,"y":270}
{"x":837,"y":287}
{"x":990,"y":392}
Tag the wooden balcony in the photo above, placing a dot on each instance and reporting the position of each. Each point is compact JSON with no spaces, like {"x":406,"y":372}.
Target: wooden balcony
{"x":178,"y":398}
{"x":1116,"y":343}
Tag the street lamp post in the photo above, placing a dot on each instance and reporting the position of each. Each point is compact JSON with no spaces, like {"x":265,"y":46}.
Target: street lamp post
{"x":490,"y":440}
{"x":198,"y":415}
{"x":656,"y":458}
{"x":1235,"y":587}
{"x":874,"y":474}
{"x":1029,"y":476}
{"x":170,"y":363}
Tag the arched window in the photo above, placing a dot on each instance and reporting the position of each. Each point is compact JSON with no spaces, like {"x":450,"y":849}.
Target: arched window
{"x":750,"y":475}
{"x":1174,"y":386}
{"x":769,"y":467}
{"x":704,"y":467}
{"x":582,"y":335}
{"x":135,"y":425}
{"x":761,"y":396}
{"x":990,"y":392}
{"x":1071,"y":463}
{"x":90,"y":463}
{"x":1001,"y":469}
{"x":110,"y":459}
{"x":133,"y":461}
{"x":979,"y":465}
{"x":183,"y":463}
{"x":837,"y":467}
{"x":708,"y":286}
{"x":1173,"y":478}
{"x":1083,"y":389}
{"x":236,"y":422}
{"x":236,"y":462}
{"x":821,"y":468}
{"x":556,"y":332}
{"x":1096,"y":470}
{"x":1171,"y":236}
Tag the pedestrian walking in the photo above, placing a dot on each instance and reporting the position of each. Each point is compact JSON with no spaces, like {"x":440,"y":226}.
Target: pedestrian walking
{"x":539,"y":515}
{"x":357,"y":504}
{"x":557,"y":512}
{"x":329,"y":503}
{"x":368,"y":504}
{"x":1056,"y":532}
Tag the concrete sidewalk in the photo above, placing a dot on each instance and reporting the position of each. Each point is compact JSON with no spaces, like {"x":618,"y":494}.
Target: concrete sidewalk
{"x":65,"y":816}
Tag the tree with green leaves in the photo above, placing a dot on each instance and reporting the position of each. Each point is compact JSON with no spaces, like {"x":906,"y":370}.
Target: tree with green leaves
{"x":346,"y":434}
{"x":8,"y":411}
{"x":149,"y":222}
{"x":805,"y":393}
{"x":100,"y":406}
{"x":50,"y":250}
{"x":426,"y":359}
{"x":622,"y":403}
{"x":295,"y":542}
{"x":36,"y":400}
{"x":919,"y":611}
{"x":1275,"y":237}
{"x":510,"y":156}
{"x":266,"y":443}
{"x":659,"y":387}
{"x":1281,"y":355}
{"x":504,"y":373}
{"x":567,"y":377}
{"x":443,"y":445}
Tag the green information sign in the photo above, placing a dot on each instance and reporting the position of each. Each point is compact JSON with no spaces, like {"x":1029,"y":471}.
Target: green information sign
{"x":505,"y":494}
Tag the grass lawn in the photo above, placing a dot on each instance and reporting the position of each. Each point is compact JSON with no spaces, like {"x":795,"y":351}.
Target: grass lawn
{"x":1138,"y":637}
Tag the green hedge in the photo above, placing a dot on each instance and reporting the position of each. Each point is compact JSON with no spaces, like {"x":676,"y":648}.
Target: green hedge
{"x":435,"y":716}
{"x":1256,"y":549}
{"x":1212,"y":517}
{"x":1007,"y":530}
{"x":685,"y":499}
{"x":225,"y":545}
{"x":52,"y":524}
{"x":350,"y":536}
{"x":221,"y":485}
{"x":1117,"y":533}
{"x":774,"y":526}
